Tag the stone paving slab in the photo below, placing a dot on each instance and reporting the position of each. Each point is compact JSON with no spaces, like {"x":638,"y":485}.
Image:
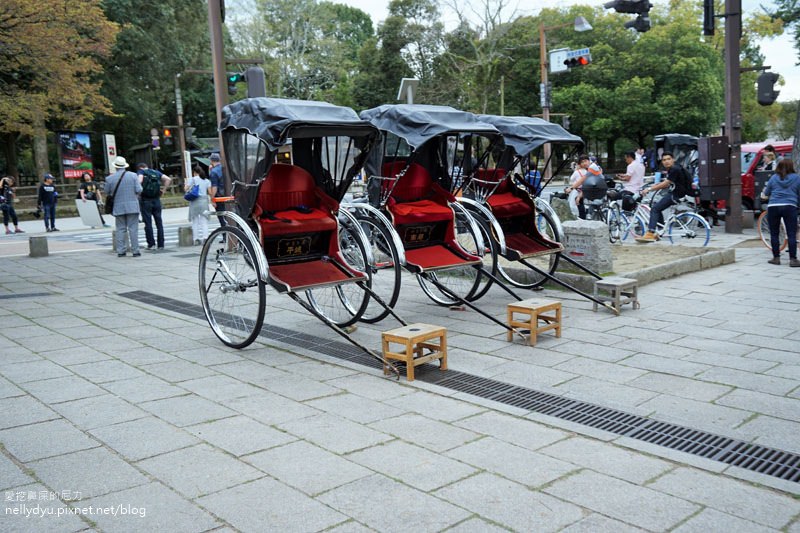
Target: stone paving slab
{"x":334,"y":445}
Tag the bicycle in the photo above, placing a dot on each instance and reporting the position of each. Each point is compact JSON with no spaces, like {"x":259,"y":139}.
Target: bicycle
{"x":763,"y":232}
{"x":609,"y":211}
{"x":683,"y":222}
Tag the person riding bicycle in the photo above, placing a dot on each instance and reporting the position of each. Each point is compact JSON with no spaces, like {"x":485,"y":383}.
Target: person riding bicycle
{"x":679,"y":184}
{"x":633,"y":181}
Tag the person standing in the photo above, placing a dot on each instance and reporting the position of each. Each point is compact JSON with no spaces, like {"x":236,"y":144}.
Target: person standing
{"x":89,"y":191}
{"x":198,"y":208}
{"x":48,"y":196}
{"x":679,"y":184}
{"x":125,"y":188}
{"x":7,"y":195}
{"x":217,"y":189}
{"x":154,"y":183}
{"x":783,"y":191}
{"x":634,"y":173}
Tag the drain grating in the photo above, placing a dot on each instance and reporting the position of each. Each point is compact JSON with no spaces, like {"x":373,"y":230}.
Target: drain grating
{"x":753,"y":457}
{"x":24,"y":295}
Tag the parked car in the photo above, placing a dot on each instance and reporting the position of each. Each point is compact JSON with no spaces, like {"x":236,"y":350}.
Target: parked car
{"x":753,"y":178}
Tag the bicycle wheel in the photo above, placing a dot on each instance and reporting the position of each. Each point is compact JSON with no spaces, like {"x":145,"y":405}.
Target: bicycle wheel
{"x":231,"y":290}
{"x":688,"y":226}
{"x":343,"y":304}
{"x":461,"y":281}
{"x":763,"y":232}
{"x":385,"y":269}
{"x":617,"y":222}
{"x":635,"y":227}
{"x":524,"y":277}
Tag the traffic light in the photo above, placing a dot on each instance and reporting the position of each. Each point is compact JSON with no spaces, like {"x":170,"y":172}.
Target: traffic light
{"x":635,"y":7}
{"x":708,"y":17}
{"x":766,"y":88}
{"x":578,"y":58}
{"x":641,"y":24}
{"x":233,"y":79}
{"x":167,"y":136}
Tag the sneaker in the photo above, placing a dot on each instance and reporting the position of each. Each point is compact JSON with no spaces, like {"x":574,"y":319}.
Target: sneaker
{"x":160,"y":248}
{"x":106,"y":225}
{"x":48,"y":230}
{"x":55,"y":229}
{"x":121,"y":255}
{"x":18,"y":231}
{"x":794,"y":263}
{"x":150,"y":246}
{"x":137,"y":254}
{"x":8,"y":231}
{"x":775,"y":261}
{"x":647,"y":237}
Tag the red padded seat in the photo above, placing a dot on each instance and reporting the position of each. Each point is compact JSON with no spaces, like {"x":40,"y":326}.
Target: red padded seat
{"x":507,"y":204}
{"x":289,"y":201}
{"x":416,"y":198}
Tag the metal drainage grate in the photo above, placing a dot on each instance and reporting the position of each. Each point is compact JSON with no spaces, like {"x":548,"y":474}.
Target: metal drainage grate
{"x":756,"y":458}
{"x":24,"y":295}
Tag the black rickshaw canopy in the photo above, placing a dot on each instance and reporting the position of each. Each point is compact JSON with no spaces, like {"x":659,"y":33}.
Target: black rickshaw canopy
{"x":275,"y":120}
{"x":416,"y":123}
{"x":526,"y":134}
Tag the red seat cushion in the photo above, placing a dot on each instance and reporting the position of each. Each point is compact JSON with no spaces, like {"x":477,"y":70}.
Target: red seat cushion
{"x":285,"y":188}
{"x":416,"y":198}
{"x":420,"y":211}
{"x":507,"y":204}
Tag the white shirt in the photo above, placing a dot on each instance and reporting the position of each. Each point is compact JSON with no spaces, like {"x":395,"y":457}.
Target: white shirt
{"x":203,"y":185}
{"x":579,"y":173}
{"x":636,"y":172}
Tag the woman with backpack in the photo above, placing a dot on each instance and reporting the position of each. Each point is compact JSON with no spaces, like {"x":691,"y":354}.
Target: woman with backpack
{"x":198,"y":208}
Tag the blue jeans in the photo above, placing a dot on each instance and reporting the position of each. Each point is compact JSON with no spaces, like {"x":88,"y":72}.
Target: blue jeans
{"x":787,"y":213}
{"x":151,"y":209}
{"x":657,"y":210}
{"x":49,"y":215}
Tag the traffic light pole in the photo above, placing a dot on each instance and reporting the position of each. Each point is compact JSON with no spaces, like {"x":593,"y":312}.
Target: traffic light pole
{"x":545,"y":97}
{"x":733,"y":112}
{"x":181,"y":133}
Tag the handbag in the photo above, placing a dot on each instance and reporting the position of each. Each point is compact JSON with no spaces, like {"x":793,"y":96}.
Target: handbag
{"x":192,"y":194}
{"x":109,"y":209}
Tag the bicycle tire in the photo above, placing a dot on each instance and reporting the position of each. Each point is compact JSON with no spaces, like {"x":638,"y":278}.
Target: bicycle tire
{"x":763,"y":232}
{"x":688,"y":226}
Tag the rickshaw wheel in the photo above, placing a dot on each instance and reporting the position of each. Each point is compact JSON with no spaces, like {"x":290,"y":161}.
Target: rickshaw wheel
{"x":462,"y":281}
{"x":344,"y":304}
{"x":489,"y":260}
{"x":231,"y":291}
{"x":526,"y":278}
{"x":385,"y":268}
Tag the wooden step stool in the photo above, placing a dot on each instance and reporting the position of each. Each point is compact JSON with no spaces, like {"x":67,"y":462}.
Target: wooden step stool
{"x":415,"y":338}
{"x":534,"y":310}
{"x":619,"y":291}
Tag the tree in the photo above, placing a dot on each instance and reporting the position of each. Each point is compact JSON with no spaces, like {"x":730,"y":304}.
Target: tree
{"x":157,"y":41}
{"x":49,"y":69}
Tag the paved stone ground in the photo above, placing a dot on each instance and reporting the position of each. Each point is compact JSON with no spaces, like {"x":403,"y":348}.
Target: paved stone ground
{"x":122,"y":416}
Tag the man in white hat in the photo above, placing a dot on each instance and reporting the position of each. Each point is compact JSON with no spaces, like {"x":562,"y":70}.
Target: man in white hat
{"x":124,"y":186}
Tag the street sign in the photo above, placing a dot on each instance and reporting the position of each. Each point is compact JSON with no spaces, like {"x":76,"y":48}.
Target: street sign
{"x":557,"y":58}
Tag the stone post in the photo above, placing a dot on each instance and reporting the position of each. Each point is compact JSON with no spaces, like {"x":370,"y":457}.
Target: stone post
{"x":586,"y":241}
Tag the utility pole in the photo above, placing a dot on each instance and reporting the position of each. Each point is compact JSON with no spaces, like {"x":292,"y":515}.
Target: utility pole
{"x":181,"y":133}
{"x":733,"y":112}
{"x":220,"y":74}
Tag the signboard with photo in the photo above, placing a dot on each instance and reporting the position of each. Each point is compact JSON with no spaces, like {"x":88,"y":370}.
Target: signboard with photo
{"x":75,"y":152}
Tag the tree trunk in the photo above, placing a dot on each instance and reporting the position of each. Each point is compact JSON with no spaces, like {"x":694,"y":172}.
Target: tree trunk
{"x":612,"y":155}
{"x":10,"y":144}
{"x":40,"y":147}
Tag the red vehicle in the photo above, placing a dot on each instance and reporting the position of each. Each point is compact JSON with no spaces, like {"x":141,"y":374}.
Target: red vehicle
{"x":753,"y":179}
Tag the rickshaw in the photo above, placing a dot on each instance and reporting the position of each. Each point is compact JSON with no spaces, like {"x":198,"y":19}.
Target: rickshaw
{"x":524,"y":229}
{"x":284,"y":226}
{"x":412,"y":219}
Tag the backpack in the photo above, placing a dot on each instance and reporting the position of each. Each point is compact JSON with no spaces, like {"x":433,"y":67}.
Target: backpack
{"x":151,"y":184}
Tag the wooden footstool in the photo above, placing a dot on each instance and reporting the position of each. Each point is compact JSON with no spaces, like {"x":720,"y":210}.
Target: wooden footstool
{"x":535,"y":310}
{"x":414,"y":338}
{"x":618,"y":291}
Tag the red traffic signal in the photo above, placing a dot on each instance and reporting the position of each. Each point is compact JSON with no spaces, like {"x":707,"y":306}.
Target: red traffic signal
{"x":167,"y":133}
{"x":578,"y":58}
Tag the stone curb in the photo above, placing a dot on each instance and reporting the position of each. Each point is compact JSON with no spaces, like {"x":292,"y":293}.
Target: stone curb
{"x":710,"y":259}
